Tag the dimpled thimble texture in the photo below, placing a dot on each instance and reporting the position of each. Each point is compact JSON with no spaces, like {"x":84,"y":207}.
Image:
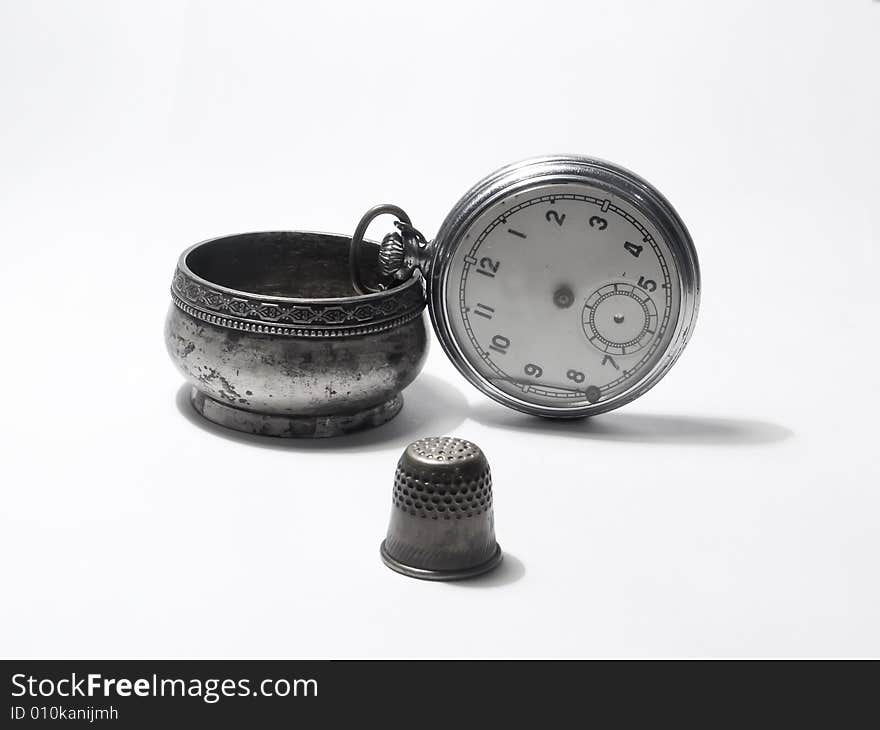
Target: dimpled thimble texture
{"x":442,"y":525}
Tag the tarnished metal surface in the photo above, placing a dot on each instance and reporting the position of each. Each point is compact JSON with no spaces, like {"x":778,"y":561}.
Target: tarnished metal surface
{"x":298,"y":365}
{"x":442,"y":523}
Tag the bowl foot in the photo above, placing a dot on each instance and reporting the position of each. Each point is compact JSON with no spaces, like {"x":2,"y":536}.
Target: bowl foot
{"x":266,"y":424}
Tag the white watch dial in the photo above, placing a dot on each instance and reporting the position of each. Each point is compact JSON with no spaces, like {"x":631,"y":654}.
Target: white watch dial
{"x":561,"y":295}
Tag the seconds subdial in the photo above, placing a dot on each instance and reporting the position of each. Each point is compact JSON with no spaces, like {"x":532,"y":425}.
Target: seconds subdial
{"x":620,"y":318}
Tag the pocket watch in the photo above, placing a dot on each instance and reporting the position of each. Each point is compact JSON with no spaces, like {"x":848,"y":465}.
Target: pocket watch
{"x":560,"y":286}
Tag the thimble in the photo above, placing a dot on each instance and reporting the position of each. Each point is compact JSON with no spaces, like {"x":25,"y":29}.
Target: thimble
{"x":442,"y":526}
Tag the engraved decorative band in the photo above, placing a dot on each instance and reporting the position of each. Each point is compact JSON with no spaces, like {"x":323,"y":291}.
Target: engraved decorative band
{"x":270,"y":329}
{"x":333,"y":319}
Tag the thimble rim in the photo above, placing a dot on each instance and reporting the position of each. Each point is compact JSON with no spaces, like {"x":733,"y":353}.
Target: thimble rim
{"x":442,"y":575}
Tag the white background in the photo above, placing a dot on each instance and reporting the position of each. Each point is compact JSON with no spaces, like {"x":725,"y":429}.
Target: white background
{"x":733,"y":510}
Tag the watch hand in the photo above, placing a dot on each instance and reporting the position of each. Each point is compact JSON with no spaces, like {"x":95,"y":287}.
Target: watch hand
{"x":524,"y":383}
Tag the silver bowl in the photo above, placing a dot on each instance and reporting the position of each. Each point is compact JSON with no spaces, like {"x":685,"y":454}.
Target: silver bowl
{"x":268,"y":330}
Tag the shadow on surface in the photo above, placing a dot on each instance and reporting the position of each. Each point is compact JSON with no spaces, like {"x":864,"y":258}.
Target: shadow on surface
{"x":510,"y":571}
{"x":431,"y":407}
{"x":642,"y":428}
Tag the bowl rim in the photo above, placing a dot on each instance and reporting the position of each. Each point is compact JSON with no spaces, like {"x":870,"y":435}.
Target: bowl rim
{"x":183,"y":267}
{"x":321,"y":317}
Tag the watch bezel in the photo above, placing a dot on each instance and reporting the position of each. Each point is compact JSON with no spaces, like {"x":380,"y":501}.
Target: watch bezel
{"x":519,"y":177}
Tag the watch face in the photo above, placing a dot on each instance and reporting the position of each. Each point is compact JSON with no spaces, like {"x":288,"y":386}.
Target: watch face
{"x":563,"y":294}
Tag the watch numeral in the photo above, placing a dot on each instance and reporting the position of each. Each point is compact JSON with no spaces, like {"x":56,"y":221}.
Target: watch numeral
{"x":484,"y":310}
{"x":576,"y":375}
{"x":599,"y":222}
{"x":634,"y":248}
{"x":647,"y":284}
{"x":500,"y":344}
{"x":553,"y":216}
{"x":488,"y":267}
{"x":532,"y":370}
